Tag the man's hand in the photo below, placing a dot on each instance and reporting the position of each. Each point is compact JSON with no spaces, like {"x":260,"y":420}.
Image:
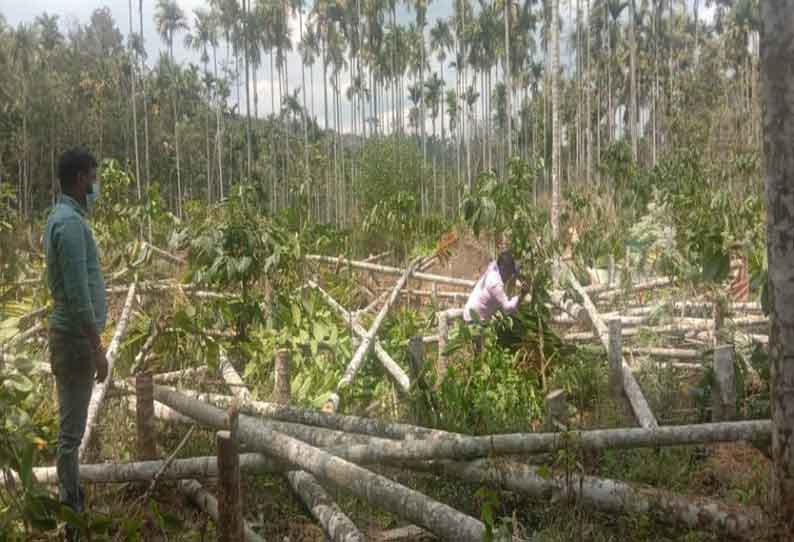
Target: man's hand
{"x":101,"y":362}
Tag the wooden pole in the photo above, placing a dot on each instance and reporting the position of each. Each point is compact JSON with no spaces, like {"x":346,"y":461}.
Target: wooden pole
{"x":144,"y":419}
{"x":230,"y":511}
{"x":724,"y":391}
{"x":615,"y":354}
{"x":443,"y":335}
{"x":282,"y":390}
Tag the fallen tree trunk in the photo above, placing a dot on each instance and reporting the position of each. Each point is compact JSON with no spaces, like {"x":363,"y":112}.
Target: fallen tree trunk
{"x":394,"y":271}
{"x":614,"y":497}
{"x":175,"y":376}
{"x":232,"y":378}
{"x":179,"y":469}
{"x":386,"y":360}
{"x":467,"y":447}
{"x":640,"y":286}
{"x":366,"y":342}
{"x":98,"y":395}
{"x":630,"y":386}
{"x":436,"y":517}
{"x":165,"y":255}
{"x":677,"y":353}
{"x":209,"y":504}
{"x":339,"y":422}
{"x":337,"y":526}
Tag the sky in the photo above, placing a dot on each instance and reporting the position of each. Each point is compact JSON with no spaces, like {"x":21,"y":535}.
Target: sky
{"x":72,"y":11}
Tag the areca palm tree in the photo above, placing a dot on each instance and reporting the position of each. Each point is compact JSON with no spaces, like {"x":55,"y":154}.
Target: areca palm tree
{"x":204,"y":35}
{"x":441,"y":42}
{"x":170,"y":19}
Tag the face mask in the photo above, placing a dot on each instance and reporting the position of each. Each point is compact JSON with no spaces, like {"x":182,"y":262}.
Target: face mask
{"x":92,"y":196}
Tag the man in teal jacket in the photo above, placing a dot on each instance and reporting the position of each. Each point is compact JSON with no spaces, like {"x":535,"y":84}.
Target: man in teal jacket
{"x":75,"y":281}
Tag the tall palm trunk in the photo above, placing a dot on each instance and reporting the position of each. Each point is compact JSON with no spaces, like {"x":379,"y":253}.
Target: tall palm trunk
{"x":246,"y":59}
{"x":134,"y":112}
{"x":508,"y":80}
{"x":303,"y":91}
{"x":555,"y":122}
{"x":633,"y":68}
{"x":777,"y":82}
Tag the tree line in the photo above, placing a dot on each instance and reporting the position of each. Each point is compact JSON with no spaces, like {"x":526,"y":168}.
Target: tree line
{"x":462,"y":94}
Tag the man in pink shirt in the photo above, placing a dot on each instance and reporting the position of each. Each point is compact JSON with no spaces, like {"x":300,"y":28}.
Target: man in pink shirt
{"x":489,"y":295}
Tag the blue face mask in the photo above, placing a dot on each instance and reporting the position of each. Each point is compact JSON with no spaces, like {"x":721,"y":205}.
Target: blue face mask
{"x":92,"y":196}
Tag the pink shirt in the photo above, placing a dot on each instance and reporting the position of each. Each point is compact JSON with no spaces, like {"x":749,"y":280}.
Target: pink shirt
{"x":489,"y":296}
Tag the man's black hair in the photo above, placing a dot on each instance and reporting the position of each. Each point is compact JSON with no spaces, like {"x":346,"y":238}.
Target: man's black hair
{"x":72,"y":163}
{"x":507,"y":265}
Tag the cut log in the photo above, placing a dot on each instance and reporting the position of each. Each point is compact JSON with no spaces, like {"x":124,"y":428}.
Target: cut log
{"x":394,"y":271}
{"x":410,"y":533}
{"x":436,"y":517}
{"x":339,"y":422}
{"x":98,"y":395}
{"x":386,"y":360}
{"x":282,"y":391}
{"x":455,"y":296}
{"x":232,"y":378}
{"x":724,"y":392}
{"x":179,"y":469}
{"x":204,"y":500}
{"x":367,"y":341}
{"x":336,"y":524}
{"x":184,"y":374}
{"x":678,"y":353}
{"x":467,"y":447}
{"x":230,"y":499}
{"x":376,"y":257}
{"x":144,"y":417}
{"x":316,"y":436}
{"x":615,"y":355}
{"x":630,"y":386}
{"x":638,"y":287}
{"x":165,"y":255}
{"x":614,"y":497}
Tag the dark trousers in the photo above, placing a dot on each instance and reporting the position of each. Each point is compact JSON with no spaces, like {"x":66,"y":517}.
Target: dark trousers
{"x":72,"y":362}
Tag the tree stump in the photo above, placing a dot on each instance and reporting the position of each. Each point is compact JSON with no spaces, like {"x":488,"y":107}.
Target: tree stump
{"x":282,"y":387}
{"x":230,"y":510}
{"x":556,"y":410}
{"x":616,"y":356}
{"x":724,"y":389}
{"x":144,"y":417}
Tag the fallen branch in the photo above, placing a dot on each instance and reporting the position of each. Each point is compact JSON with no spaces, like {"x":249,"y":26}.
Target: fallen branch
{"x":165,"y":255}
{"x":98,"y":395}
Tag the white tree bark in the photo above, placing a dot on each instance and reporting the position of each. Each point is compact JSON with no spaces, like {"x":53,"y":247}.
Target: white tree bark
{"x":336,"y":524}
{"x":209,"y":504}
{"x":436,"y":517}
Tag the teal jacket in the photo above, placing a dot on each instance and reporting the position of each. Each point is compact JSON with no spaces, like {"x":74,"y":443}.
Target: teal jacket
{"x":73,"y":271}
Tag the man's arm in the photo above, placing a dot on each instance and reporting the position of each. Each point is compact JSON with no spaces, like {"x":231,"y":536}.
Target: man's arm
{"x":71,"y":249}
{"x":497,"y":290}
